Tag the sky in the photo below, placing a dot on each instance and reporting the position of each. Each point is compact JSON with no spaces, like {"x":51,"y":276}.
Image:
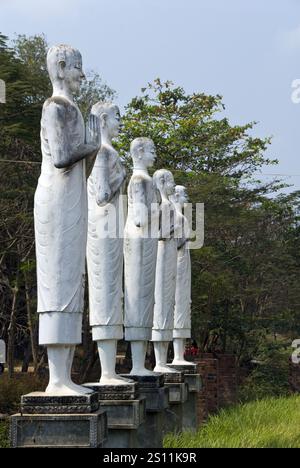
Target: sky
{"x":246,"y":50}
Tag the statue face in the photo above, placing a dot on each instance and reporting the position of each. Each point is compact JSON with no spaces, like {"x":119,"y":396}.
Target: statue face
{"x":181,"y":195}
{"x":169,"y":184}
{"x":114,"y":122}
{"x":149,"y":154}
{"x":73,"y":73}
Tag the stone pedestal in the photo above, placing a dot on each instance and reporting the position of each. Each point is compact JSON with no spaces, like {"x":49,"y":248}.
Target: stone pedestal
{"x":178,"y":393}
{"x":125,"y":411}
{"x":156,"y":395}
{"x":60,"y":422}
{"x":193,"y":381}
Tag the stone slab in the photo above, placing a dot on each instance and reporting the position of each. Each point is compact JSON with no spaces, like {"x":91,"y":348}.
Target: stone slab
{"x":42,"y":403}
{"x":172,"y":422}
{"x":124,"y":414}
{"x":194,"y":382}
{"x":157,"y":399}
{"x":147,"y":381}
{"x":178,"y":393}
{"x":190,"y":368}
{"x":174,"y":377}
{"x":189,"y":413}
{"x":115,"y":392}
{"x":150,"y":433}
{"x":58,"y":431}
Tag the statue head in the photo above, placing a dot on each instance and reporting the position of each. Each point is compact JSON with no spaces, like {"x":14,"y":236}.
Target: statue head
{"x":109,"y":117}
{"x":65,"y":66}
{"x":164,"y":182}
{"x":180,"y":195}
{"x":143,"y":152}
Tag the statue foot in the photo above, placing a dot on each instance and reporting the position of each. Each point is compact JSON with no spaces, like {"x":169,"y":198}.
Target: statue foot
{"x":142,"y":372}
{"x":116,"y":380}
{"x":67,"y":389}
{"x":164,"y":370}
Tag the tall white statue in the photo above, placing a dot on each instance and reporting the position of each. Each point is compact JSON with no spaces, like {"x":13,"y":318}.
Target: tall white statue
{"x":166,"y":266}
{"x":182,"y":311}
{"x":60,"y":214}
{"x":105,"y":244}
{"x":140,"y":250}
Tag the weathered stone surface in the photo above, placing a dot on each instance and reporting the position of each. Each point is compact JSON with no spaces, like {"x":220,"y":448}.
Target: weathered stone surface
{"x":115,"y":392}
{"x":147,"y":381}
{"x":177,"y":393}
{"x":194,"y":382}
{"x":176,"y":377}
{"x":188,"y":369}
{"x":124,"y":414}
{"x":157,"y":399}
{"x":42,"y":403}
{"x":59,"y":431}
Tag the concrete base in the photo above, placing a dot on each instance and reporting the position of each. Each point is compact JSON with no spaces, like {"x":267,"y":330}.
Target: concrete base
{"x":152,"y":388}
{"x":42,"y":403}
{"x":173,"y":416}
{"x":59,"y":430}
{"x":115,"y":392}
{"x":189,"y":368}
{"x":124,"y":419}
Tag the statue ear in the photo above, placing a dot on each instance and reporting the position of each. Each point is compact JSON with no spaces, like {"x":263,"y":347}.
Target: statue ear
{"x":61,"y":69}
{"x":103,"y":119}
{"x":140,"y":151}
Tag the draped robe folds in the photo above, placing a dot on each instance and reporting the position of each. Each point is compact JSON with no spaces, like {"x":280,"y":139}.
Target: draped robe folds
{"x":140,"y":251}
{"x":165,"y":285}
{"x":105,"y":255}
{"x":60,"y":218}
{"x":182,"y":311}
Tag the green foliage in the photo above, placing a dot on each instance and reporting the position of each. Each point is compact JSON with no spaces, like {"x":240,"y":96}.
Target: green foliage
{"x":269,"y":423}
{"x":270,"y":376}
{"x":4,"y":434}
{"x":11,"y":390}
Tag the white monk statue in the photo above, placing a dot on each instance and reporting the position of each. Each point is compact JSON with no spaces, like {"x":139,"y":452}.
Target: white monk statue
{"x":182,"y":311}
{"x":140,"y":249}
{"x":105,"y":244}
{"x":166,"y":265}
{"x":60,"y":214}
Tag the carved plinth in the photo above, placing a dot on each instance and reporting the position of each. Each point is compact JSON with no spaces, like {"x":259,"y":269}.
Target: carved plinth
{"x":178,"y":393}
{"x":115,"y":392}
{"x":174,"y":377}
{"x":194,"y":382}
{"x":147,"y":381}
{"x":152,"y":388}
{"x":58,"y":430}
{"x":189,"y":368}
{"x":41,"y":403}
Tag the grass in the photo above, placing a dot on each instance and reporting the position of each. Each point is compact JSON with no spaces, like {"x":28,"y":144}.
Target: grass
{"x":268,"y":423}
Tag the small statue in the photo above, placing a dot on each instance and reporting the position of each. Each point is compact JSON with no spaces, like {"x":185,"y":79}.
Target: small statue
{"x":60,"y":216}
{"x":166,"y":266}
{"x":182,"y":311}
{"x":140,"y":250}
{"x":105,"y":244}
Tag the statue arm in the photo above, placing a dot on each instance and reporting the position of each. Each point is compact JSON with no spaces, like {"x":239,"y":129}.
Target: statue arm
{"x":101,"y":177}
{"x":140,"y":210}
{"x":63,"y":152}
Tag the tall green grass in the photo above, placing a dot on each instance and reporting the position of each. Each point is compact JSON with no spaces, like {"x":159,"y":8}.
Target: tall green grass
{"x":268,"y":423}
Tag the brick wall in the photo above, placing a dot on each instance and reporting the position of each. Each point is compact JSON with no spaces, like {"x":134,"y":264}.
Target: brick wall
{"x":219,"y":379}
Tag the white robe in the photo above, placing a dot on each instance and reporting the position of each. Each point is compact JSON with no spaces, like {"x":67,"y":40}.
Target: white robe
{"x":60,"y":218}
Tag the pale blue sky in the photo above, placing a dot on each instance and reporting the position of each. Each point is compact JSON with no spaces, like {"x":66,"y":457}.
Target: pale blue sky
{"x":246,"y":50}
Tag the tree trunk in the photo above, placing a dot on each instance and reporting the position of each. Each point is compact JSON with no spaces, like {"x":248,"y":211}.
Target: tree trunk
{"x":12,"y":329}
{"x":31,"y":326}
